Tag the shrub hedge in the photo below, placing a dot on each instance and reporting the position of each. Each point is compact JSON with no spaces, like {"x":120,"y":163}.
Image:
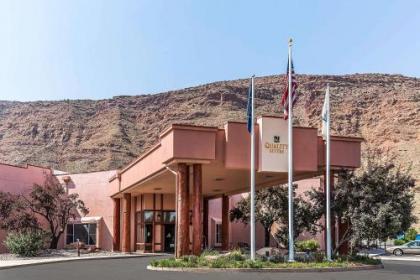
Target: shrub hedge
{"x":25,"y":244}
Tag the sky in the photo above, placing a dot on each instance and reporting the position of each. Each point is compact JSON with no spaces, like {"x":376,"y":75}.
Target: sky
{"x":53,"y":50}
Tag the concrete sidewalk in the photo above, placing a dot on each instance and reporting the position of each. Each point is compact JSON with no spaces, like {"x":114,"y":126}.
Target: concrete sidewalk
{"x":4,"y":264}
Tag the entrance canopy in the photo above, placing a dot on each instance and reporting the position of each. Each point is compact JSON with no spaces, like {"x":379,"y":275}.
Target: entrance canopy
{"x":224,"y":154}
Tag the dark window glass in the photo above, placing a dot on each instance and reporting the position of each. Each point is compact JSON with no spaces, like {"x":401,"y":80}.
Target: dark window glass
{"x":69,"y":234}
{"x":148,"y":233}
{"x":92,"y":229}
{"x":81,"y":233}
{"x":92,"y":239}
{"x":148,"y":216}
{"x":169,"y":217}
{"x":69,"y":239}
{"x":86,"y":233}
{"x":70,"y":229}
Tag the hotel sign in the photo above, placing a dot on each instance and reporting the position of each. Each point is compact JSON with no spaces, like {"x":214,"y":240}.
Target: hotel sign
{"x":273,"y":144}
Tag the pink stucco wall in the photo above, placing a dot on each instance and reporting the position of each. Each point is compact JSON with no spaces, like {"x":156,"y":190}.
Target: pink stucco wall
{"x":94,"y":189}
{"x":19,"y":179}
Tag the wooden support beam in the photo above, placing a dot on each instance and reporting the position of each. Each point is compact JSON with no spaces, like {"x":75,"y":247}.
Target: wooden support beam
{"x":206,"y":222}
{"x":182,"y":243}
{"x":116,"y":225}
{"x":126,"y":223}
{"x":197,"y":210}
{"x":225,"y":222}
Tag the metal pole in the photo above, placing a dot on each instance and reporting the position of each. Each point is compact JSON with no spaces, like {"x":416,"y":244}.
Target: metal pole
{"x":290,"y":156}
{"x":252,"y":173}
{"x":328,"y":191}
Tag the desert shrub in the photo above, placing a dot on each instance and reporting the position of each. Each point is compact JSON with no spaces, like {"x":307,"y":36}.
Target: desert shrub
{"x":25,"y":244}
{"x":398,"y":242}
{"x":209,"y":252}
{"x":191,"y":260}
{"x":236,"y":260}
{"x":235,"y":255}
{"x":310,"y":245}
{"x":219,"y":262}
{"x":411,"y":234}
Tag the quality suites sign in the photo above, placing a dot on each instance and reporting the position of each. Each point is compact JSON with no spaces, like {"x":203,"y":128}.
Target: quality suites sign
{"x":273,"y":144}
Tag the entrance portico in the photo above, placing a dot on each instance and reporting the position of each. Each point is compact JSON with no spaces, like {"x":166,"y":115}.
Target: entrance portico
{"x":169,"y":186}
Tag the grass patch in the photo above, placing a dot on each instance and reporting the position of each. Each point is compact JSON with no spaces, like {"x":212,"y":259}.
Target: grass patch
{"x":236,"y":259}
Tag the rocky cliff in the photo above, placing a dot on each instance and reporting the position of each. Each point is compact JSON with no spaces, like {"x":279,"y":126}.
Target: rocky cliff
{"x":87,"y":135}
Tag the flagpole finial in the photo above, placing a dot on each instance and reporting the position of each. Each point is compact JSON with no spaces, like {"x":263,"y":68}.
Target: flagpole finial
{"x":290,"y":42}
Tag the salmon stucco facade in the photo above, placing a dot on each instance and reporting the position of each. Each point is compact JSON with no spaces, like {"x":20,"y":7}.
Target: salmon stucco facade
{"x":176,"y":196}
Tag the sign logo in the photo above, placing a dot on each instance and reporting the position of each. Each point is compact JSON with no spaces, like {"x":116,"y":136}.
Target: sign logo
{"x":275,"y":146}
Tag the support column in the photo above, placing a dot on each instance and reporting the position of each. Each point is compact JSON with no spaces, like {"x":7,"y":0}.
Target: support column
{"x":197,"y":222}
{"x":206,"y":222}
{"x":225,"y":222}
{"x":116,"y":225}
{"x":182,"y":212}
{"x":126,"y":223}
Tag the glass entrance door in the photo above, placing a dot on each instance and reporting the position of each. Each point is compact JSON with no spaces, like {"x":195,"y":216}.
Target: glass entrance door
{"x":169,"y":231}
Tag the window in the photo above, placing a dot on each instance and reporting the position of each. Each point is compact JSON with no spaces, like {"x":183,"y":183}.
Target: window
{"x":148,"y":233}
{"x":148,"y":216}
{"x":86,"y":233}
{"x":169,"y":217}
{"x":218,"y":233}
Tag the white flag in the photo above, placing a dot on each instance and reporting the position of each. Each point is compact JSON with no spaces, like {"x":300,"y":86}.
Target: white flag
{"x":326,"y":113}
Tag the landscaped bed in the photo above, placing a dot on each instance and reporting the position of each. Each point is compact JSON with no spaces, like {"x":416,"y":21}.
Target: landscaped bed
{"x":238,"y":260}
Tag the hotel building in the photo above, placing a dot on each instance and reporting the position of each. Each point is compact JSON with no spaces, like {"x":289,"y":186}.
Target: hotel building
{"x":176,"y":196}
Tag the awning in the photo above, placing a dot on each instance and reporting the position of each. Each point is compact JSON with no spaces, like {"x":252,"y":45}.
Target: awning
{"x":90,"y":219}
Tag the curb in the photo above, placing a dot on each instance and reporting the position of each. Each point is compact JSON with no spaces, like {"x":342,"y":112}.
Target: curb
{"x":206,"y":269}
{"x":73,"y":259}
{"x":409,"y":259}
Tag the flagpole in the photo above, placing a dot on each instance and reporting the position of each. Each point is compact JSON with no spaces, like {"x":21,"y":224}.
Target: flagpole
{"x":290,"y":156}
{"x":328,"y":190}
{"x":252,"y":218}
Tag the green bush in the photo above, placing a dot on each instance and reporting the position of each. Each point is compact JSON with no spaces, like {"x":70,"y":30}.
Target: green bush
{"x":209,"y":252}
{"x":310,"y":245}
{"x":398,"y":242}
{"x":411,"y":234}
{"x":25,"y":244}
{"x":235,"y":255}
{"x":233,"y":262}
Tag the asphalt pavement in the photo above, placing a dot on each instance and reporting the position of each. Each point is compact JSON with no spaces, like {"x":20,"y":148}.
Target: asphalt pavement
{"x":135,"y":268}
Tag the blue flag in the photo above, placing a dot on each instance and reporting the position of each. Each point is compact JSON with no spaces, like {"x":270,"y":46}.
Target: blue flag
{"x":249,"y":108}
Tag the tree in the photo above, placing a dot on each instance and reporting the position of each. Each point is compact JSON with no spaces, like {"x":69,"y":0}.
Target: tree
{"x":376,"y":204}
{"x":14,"y":215}
{"x":272,"y":208}
{"x":48,"y":201}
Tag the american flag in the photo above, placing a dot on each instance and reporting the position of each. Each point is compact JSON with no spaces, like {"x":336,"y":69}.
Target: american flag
{"x":284,"y":99}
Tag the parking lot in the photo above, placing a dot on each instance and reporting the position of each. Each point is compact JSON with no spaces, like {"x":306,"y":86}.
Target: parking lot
{"x":135,"y":268}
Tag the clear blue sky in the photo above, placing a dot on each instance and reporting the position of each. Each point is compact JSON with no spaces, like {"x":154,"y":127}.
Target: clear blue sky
{"x":99,"y":49}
